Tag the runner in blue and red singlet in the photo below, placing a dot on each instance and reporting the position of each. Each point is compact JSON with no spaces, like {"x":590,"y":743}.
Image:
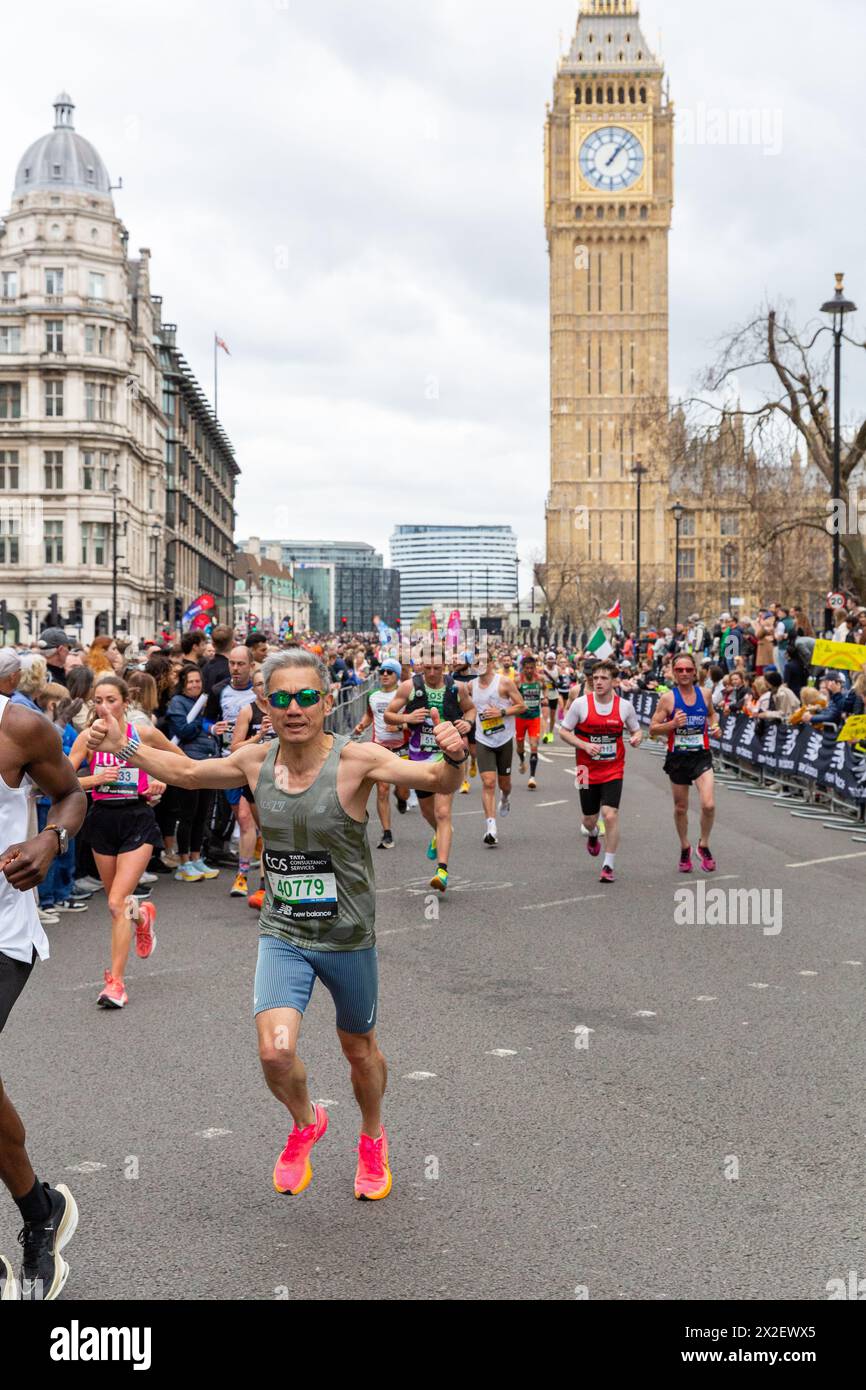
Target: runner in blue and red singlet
{"x":682,"y":715}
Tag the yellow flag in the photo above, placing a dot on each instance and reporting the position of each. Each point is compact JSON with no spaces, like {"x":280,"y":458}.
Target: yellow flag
{"x":853,"y":729}
{"x":839,"y":656}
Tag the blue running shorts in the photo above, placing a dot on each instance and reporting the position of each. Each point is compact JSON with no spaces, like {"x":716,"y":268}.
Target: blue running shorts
{"x":286,"y":974}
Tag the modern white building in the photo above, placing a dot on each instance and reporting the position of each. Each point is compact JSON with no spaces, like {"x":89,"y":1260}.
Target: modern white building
{"x":472,"y":568}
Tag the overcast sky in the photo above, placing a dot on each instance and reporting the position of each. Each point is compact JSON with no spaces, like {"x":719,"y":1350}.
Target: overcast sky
{"x":351,"y":195}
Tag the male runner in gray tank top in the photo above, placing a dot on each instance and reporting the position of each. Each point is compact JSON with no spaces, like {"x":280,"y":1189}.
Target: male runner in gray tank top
{"x":318,"y":918}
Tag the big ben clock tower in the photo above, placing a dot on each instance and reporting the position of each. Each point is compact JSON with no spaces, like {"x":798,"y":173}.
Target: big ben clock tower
{"x":608,"y":196}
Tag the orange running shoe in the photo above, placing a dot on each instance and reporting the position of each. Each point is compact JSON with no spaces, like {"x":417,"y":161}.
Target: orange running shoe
{"x":293,"y":1171}
{"x":145,"y":936}
{"x":113,"y":995}
{"x":255,"y":900}
{"x":373,"y":1175}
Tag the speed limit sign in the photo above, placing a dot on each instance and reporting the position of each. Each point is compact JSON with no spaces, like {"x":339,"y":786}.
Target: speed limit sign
{"x":836,"y":600}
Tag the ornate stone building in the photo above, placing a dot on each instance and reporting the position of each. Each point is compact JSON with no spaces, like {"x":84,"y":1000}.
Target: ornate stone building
{"x":116,"y":481}
{"x":609,"y":195}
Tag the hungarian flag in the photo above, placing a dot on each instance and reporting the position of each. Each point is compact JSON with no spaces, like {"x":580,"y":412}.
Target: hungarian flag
{"x":615,"y":614}
{"x":598,"y":646}
{"x":221,"y":342}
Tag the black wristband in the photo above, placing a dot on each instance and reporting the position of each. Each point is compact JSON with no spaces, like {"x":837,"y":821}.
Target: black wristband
{"x":451,"y":761}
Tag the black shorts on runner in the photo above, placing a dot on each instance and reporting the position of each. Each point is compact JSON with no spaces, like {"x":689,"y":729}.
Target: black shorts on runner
{"x":496,"y":760}
{"x":592,"y":798}
{"x":111,"y":829}
{"x":14,"y":975}
{"x":685,"y":768}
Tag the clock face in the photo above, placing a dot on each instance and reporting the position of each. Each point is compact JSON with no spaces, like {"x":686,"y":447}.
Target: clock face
{"x":612,"y":159}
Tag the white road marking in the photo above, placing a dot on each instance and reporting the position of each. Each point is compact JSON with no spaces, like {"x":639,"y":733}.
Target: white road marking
{"x":706,"y":998}
{"x":852,"y":962}
{"x":581,"y":1029}
{"x":501,"y":1052}
{"x":88,"y":1166}
{"x":560,"y":902}
{"x":645,"y":1013}
{"x":539,"y":804}
{"x":324,"y":1101}
{"x":759,"y":986}
{"x":420,"y":1076}
{"x":212,"y":1133}
{"x":807,"y":972}
{"x":831,"y":859}
{"x":398,"y":889}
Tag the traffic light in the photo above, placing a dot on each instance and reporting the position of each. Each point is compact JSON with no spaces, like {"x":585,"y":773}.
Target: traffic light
{"x":178,"y":612}
{"x":30,"y":621}
{"x":53,"y":611}
{"x":3,"y":615}
{"x":343,"y":622}
{"x":76,"y":615}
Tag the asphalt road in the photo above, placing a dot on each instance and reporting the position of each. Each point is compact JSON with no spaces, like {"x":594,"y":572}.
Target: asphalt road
{"x":704,"y":1140}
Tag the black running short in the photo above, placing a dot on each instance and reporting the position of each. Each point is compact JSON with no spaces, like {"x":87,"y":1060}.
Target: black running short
{"x":496,"y":760}
{"x":685,"y":768}
{"x":119,"y":829}
{"x":14,"y":975}
{"x":593,"y":797}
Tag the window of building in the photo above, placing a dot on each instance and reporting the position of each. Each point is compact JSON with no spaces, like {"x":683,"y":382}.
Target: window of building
{"x":687,"y":525}
{"x":8,"y":470}
{"x":53,"y":469}
{"x":730,"y":524}
{"x":53,"y":335}
{"x":9,"y":284}
{"x":53,"y":542}
{"x":183,"y":413}
{"x":96,"y":284}
{"x":54,"y":396}
{"x":10,"y":531}
{"x":56,"y":171}
{"x":686,"y":564}
{"x":10,"y":338}
{"x":578,"y":96}
{"x":94,"y":542}
{"x":99,"y":400}
{"x":10,"y":400}
{"x":730,"y":565}
{"x":89,"y":337}
{"x":644,"y":214}
{"x":98,"y":339}
{"x":183,"y":502}
{"x":54,"y":282}
{"x":198,"y":479}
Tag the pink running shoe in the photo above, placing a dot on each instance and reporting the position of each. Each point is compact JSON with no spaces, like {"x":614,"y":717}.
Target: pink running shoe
{"x":145,"y":936}
{"x":593,"y":846}
{"x":293,"y":1171}
{"x":113,"y":995}
{"x":373,"y":1175}
{"x":686,"y":860}
{"x":708,"y":863}
{"x":606,"y":875}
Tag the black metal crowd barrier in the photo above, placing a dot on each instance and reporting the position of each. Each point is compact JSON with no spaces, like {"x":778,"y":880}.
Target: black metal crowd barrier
{"x":798,"y":755}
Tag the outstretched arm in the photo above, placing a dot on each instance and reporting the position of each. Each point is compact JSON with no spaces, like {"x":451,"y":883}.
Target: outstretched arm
{"x":26,"y":864}
{"x":192,"y":775}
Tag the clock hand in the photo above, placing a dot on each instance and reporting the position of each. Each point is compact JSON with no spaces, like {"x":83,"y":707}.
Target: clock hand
{"x":617,"y":150}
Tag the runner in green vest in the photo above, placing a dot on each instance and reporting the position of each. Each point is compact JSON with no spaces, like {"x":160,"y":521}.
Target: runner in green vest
{"x":318,"y":920}
{"x":531,"y":689}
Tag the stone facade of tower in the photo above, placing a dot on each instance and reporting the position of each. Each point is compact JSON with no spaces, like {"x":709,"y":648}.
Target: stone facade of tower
{"x":609,"y":170}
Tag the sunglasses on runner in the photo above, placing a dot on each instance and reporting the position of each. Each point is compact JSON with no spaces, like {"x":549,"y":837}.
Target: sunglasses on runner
{"x":282,"y":699}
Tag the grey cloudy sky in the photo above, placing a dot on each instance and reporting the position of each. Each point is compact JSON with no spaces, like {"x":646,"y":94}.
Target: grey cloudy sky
{"x":351,"y":194}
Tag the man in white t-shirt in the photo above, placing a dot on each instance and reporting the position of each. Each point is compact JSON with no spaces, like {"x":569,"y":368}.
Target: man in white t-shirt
{"x":30,"y":755}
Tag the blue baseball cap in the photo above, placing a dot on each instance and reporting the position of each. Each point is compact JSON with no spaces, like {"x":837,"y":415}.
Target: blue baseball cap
{"x":392,"y":665}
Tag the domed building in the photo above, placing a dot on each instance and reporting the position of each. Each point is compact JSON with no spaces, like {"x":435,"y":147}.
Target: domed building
{"x":86,"y":450}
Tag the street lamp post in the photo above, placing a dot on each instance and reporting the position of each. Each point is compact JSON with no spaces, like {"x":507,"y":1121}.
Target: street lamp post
{"x":837,"y":307}
{"x":115,"y":490}
{"x":155,"y":533}
{"x":638,"y":471}
{"x":677,"y":510}
{"x":249,"y":601}
{"x":517,"y":575}
{"x":728,"y":553}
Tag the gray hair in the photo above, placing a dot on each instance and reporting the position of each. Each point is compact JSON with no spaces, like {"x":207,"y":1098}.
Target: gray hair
{"x":10,"y":662}
{"x":294,"y":660}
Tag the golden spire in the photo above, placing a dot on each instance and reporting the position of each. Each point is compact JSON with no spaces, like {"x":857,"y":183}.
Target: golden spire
{"x":608,"y":7}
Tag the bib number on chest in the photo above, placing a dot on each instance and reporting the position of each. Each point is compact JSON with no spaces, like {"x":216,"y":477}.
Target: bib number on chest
{"x":428,"y":738}
{"x":689,"y":741}
{"x":494,"y":725}
{"x":303,"y":886}
{"x":605,"y":746}
{"x":125,"y":782}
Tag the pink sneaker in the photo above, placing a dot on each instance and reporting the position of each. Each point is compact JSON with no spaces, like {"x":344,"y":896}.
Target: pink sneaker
{"x":593,"y":846}
{"x":606,"y":875}
{"x":686,"y":860}
{"x":708,"y":863}
{"x":373,"y":1175}
{"x":113,"y":995}
{"x":145,"y":936}
{"x":293,"y":1171}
